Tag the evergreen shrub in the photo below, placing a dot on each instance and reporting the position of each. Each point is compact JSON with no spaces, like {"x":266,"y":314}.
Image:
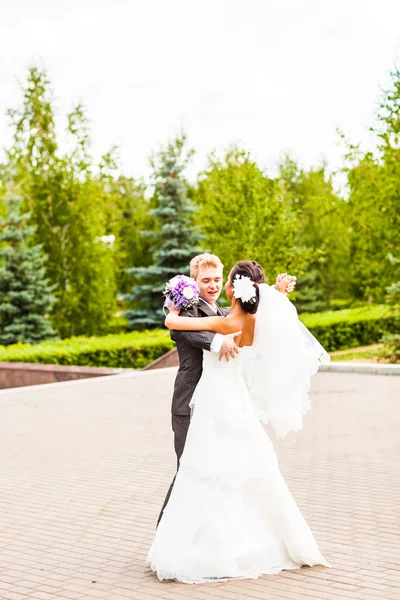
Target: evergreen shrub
{"x":349,"y":328}
{"x":132,"y":350}
{"x":336,"y":330}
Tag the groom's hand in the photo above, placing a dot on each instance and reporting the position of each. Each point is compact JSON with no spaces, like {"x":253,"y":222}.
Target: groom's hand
{"x":229,"y":348}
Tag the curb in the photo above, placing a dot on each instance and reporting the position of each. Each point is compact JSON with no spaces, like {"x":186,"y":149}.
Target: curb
{"x":125,"y":374}
{"x":362,"y":368}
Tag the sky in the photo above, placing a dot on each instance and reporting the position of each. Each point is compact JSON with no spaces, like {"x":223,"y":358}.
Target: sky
{"x":274,"y":76}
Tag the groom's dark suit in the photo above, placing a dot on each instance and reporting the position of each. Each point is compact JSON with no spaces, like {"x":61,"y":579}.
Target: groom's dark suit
{"x":190,"y":346}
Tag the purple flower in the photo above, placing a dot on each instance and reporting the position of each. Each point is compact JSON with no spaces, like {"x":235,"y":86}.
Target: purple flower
{"x":181,"y":291}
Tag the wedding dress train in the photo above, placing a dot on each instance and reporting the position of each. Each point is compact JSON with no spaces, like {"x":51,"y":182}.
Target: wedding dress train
{"x":230,"y":513}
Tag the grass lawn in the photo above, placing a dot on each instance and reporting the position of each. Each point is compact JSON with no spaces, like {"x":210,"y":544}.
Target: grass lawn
{"x":363,"y":354}
{"x":373,"y":311}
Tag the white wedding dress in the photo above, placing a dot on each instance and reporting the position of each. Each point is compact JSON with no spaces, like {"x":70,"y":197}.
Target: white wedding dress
{"x":230,"y":513}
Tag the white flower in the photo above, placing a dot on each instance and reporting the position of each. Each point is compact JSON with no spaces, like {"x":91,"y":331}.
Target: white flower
{"x":188,"y":293}
{"x":108,"y":240}
{"x":174,"y":281}
{"x":243,"y":288}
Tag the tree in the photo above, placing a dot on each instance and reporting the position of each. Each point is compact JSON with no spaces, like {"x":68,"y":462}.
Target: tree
{"x":323,"y":228}
{"x":26,"y":295}
{"x":66,"y":204}
{"x":134,"y":210}
{"x":391,"y":339}
{"x":244,"y":214}
{"x":374,"y":202}
{"x":175,"y":239}
{"x":127,"y":216}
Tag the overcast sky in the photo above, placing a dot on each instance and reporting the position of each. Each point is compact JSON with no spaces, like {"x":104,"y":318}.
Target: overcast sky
{"x":273,"y":75}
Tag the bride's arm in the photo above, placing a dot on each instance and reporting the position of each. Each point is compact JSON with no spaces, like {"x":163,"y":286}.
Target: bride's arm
{"x":218,"y":324}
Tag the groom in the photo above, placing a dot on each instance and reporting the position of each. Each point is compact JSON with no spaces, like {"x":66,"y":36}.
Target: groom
{"x":207,"y":270}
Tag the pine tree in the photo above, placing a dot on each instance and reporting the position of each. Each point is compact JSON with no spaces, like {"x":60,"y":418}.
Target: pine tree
{"x":176,"y":239}
{"x":25,"y":293}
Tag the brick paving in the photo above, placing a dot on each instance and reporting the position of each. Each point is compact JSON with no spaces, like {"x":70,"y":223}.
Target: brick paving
{"x":84,"y":468}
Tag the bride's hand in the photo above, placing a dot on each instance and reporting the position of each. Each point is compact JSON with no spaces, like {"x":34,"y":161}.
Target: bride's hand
{"x":285,"y":283}
{"x":291,"y":284}
{"x":172,"y":318}
{"x":172,"y":309}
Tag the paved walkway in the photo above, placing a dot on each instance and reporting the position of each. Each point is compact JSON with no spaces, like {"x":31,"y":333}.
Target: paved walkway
{"x":84,"y":467}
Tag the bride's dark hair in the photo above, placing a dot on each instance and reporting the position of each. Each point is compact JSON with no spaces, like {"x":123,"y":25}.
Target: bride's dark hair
{"x":249,"y":268}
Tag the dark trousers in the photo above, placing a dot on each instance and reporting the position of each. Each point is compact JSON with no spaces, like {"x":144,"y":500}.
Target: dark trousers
{"x":180,"y":426}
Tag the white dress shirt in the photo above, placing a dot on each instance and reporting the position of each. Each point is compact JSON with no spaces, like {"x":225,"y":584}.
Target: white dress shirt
{"x":218,"y":340}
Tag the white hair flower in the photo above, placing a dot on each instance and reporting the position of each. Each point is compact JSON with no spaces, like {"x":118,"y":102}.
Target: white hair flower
{"x":243,"y":288}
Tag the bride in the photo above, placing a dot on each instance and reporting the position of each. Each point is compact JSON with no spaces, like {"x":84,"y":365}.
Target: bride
{"x":230,"y":514}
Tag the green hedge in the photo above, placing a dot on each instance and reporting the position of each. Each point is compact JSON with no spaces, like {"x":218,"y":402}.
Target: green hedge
{"x":131,"y":350}
{"x":336,"y":330}
{"x":349,"y":328}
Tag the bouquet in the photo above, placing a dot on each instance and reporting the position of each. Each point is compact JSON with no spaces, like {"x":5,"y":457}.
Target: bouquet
{"x":182,"y":292}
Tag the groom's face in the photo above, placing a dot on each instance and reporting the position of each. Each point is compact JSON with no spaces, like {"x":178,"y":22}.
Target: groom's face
{"x":209,"y":280}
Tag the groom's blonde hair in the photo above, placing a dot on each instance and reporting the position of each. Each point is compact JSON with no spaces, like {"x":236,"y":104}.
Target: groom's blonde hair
{"x":204,"y":261}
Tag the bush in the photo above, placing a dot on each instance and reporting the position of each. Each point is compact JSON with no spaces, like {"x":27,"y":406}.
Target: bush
{"x":349,"y":328}
{"x":340,"y":303}
{"x":391,"y":339}
{"x":132,"y":350}
{"x":118,"y":325}
{"x":336,"y":330}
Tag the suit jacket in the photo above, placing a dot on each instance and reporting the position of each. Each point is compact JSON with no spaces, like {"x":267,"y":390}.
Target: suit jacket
{"x":190,"y":346}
